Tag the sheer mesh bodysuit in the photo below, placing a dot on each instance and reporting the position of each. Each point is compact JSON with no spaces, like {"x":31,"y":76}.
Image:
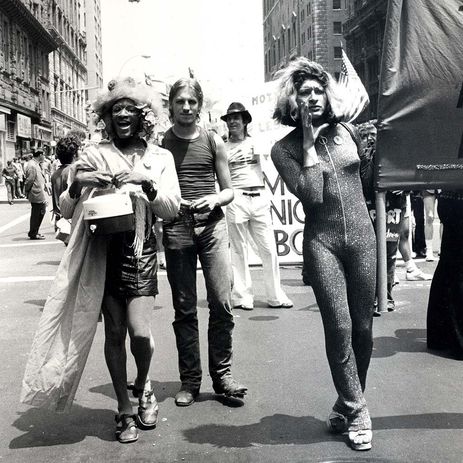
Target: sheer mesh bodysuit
{"x":340,"y":249}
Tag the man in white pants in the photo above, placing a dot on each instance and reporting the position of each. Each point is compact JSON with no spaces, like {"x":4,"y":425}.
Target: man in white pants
{"x":248,"y":216}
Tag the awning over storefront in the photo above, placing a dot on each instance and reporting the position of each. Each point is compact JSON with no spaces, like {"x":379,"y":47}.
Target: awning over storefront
{"x":39,"y":132}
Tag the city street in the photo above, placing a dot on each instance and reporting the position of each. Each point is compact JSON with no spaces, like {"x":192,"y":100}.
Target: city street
{"x":414,"y":396}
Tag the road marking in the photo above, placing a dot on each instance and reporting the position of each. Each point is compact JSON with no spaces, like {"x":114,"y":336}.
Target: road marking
{"x":14,"y":222}
{"x":34,"y":243}
{"x":32,"y":279}
{"x":24,"y":279}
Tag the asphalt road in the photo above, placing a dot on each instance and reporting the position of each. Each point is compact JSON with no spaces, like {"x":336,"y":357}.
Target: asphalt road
{"x":414,"y":395}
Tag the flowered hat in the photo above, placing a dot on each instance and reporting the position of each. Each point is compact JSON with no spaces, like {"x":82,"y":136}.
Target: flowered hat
{"x":143,"y":95}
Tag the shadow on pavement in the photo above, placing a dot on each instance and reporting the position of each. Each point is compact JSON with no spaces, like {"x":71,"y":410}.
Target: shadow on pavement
{"x":311,"y":308}
{"x":276,"y":429}
{"x":162,"y":391}
{"x":167,"y":390}
{"x":44,"y":428}
{"x":290,"y":430}
{"x":263,"y":318}
{"x":48,"y":262}
{"x":405,"y":340}
{"x":38,"y":302}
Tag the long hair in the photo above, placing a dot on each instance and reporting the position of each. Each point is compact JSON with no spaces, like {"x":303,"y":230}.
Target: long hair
{"x":291,"y":79}
{"x":186,"y":82}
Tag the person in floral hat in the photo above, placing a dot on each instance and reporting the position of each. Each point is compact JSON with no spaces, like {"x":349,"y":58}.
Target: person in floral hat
{"x":115,"y":273}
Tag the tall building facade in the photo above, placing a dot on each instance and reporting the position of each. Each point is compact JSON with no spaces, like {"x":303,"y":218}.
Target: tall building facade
{"x":310,"y":28}
{"x":363,"y":32}
{"x":50,"y":66}
{"x":92,"y":26}
{"x":25,"y":44}
{"x":68,"y":65}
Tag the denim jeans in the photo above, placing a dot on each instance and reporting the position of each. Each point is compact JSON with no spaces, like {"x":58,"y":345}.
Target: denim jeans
{"x":186,"y":239}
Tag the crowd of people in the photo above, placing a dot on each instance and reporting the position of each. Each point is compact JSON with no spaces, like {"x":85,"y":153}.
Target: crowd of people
{"x":13,"y":174}
{"x":187,"y":182}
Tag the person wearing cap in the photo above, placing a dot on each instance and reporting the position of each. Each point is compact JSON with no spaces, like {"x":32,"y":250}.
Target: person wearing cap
{"x":248,"y":216}
{"x":114,"y":273}
{"x":34,"y":187}
{"x":199,"y":231}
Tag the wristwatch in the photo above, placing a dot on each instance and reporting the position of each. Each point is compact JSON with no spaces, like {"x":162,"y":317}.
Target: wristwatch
{"x":148,"y":188}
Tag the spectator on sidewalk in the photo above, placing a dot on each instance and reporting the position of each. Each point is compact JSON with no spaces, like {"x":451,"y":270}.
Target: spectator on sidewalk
{"x":417,"y":217}
{"x":67,"y":150}
{"x":413,"y":273}
{"x":34,"y":187}
{"x":19,"y":184}
{"x":248,"y":215}
{"x":429,"y":202}
{"x":10,"y":175}
{"x":199,"y":231}
{"x":395,"y":207}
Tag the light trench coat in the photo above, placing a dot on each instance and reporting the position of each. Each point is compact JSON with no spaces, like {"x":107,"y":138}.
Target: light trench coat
{"x":68,"y":323}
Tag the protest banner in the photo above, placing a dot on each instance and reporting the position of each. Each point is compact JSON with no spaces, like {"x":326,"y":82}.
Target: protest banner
{"x":287,"y":213}
{"x":420,"y":107}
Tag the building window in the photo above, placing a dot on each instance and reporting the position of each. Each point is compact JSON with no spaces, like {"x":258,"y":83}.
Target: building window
{"x":303,"y":37}
{"x":337,"y":27}
{"x":10,"y":131}
{"x":336,"y":4}
{"x":337,"y":52}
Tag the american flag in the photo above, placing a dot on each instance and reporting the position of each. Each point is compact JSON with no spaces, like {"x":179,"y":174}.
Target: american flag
{"x":354,"y":95}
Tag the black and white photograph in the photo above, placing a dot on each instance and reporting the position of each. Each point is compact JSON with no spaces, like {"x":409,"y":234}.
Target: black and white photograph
{"x":231,"y":231}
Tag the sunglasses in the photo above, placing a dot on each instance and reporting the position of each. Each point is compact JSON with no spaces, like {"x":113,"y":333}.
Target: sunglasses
{"x":130,"y":109}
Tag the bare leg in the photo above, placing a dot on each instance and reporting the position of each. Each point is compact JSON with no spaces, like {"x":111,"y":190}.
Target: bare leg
{"x":115,"y":322}
{"x":429,"y":201}
{"x":413,"y":273}
{"x":404,"y":242}
{"x":139,"y":311}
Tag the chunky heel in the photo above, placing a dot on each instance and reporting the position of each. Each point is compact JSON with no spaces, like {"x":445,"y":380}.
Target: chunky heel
{"x":361,"y":439}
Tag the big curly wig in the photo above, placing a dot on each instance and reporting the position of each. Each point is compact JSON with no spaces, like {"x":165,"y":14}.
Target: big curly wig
{"x":290,"y":80}
{"x":147,"y":100}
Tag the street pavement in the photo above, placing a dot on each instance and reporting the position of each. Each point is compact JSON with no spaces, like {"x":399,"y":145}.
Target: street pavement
{"x":414,"y":395}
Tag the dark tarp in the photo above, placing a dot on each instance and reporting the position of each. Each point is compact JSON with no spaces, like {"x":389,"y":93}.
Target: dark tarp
{"x":420,"y":108}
